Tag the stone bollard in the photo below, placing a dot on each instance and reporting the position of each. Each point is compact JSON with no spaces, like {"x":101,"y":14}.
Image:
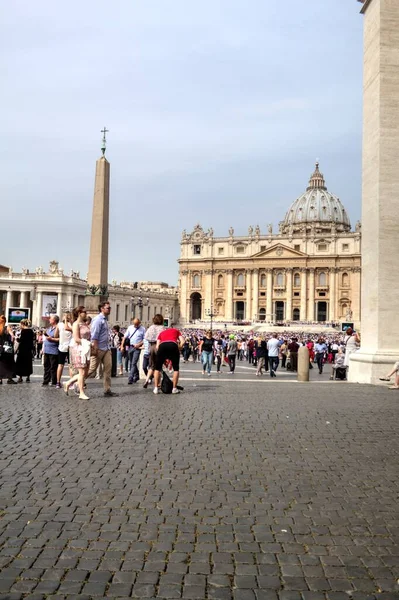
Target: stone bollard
{"x":303,"y":364}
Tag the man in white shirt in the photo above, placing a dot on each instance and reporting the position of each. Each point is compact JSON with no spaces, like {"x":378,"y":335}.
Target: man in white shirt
{"x":273,"y":347}
{"x":65,"y":333}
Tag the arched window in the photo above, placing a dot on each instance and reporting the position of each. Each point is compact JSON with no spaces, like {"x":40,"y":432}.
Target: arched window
{"x":297,"y":280}
{"x":322,"y":279}
{"x":196,"y":280}
{"x":279,"y":279}
{"x":263,"y":280}
{"x":240,"y":280}
{"x":220,"y":280}
{"x":345,"y":279}
{"x":262,"y":314}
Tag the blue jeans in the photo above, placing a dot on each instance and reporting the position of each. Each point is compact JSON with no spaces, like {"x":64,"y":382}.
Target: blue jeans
{"x":273,"y":362}
{"x":207,"y":358}
{"x":134,"y":356}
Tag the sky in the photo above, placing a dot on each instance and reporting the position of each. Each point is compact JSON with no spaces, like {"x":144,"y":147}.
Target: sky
{"x":217,"y":111}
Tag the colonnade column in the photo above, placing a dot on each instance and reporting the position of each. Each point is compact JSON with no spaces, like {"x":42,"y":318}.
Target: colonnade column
{"x":332,"y":292}
{"x":248,"y":311}
{"x":24,"y":300}
{"x":39,"y":302}
{"x":269,"y":295}
{"x":288,"y":310}
{"x":255,"y":297}
{"x":229,"y":295}
{"x":8,"y":302}
{"x":303,"y":294}
{"x":310,"y":315}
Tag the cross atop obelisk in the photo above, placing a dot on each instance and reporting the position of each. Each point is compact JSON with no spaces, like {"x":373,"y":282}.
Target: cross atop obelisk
{"x":97,"y":278}
{"x":104,"y":144}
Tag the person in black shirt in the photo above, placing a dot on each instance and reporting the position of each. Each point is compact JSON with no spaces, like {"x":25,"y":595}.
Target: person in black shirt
{"x":207,"y":347}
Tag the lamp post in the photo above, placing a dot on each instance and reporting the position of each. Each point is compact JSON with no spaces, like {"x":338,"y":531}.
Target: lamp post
{"x":211,"y":312}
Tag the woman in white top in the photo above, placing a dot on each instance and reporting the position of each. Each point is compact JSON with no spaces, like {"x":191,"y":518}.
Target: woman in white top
{"x":352,"y":342}
{"x":151,"y":335}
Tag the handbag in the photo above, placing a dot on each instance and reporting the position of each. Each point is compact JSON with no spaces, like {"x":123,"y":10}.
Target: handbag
{"x":6,"y":348}
{"x":127,"y":340}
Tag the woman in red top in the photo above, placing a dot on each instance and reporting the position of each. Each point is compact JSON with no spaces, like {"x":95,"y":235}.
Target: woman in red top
{"x":169,"y":343}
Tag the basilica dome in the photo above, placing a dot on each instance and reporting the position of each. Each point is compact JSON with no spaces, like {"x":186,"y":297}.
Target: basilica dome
{"x":316,"y":210}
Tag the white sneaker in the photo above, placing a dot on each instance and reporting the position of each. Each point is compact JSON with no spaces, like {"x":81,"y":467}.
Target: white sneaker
{"x":209,"y":374}
{"x":175,"y":391}
{"x":156,"y":390}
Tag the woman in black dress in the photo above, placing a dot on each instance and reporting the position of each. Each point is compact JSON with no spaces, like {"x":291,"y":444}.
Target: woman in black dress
{"x":7,"y":364}
{"x":24,"y":366}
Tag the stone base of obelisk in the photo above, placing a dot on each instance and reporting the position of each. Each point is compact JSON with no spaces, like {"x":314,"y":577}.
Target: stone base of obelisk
{"x":91,"y":304}
{"x":368,"y":367}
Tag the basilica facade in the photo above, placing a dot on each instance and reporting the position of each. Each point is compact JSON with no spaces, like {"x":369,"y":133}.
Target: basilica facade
{"x":307,"y":272}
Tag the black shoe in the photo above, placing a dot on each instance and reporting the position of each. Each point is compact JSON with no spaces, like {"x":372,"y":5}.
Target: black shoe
{"x":108,"y":394}
{"x":130,"y":382}
{"x":11,"y":381}
{"x":28,"y":380}
{"x":44,"y":384}
{"x":146,"y":385}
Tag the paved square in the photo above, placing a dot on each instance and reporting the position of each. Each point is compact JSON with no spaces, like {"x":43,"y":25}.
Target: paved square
{"x":239,"y":488}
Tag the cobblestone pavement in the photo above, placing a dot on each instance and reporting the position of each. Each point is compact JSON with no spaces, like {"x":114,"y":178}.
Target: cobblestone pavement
{"x":233,"y":490}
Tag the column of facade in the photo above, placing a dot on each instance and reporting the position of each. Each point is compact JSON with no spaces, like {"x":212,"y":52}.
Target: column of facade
{"x":184,"y":303}
{"x":248,"y":307}
{"x":255,"y":296}
{"x":333,"y":294}
{"x":310,"y":315}
{"x":303,"y":294}
{"x":269,"y":295}
{"x":208,"y":292}
{"x":288,"y":308}
{"x":229,"y":295}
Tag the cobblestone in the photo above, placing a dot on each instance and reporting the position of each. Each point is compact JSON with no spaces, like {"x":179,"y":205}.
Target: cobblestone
{"x":230,"y":491}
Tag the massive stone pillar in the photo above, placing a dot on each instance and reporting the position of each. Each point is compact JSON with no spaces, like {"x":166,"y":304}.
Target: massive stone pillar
{"x":248,"y":312}
{"x":380,"y":203}
{"x":208,"y":304}
{"x":39,"y":302}
{"x":24,"y":300}
{"x":311,"y":295}
{"x":229,"y":295}
{"x":97,"y":278}
{"x":269,"y":295}
{"x":303,"y":294}
{"x":8,"y":302}
{"x":255,"y":296}
{"x":288,"y":311}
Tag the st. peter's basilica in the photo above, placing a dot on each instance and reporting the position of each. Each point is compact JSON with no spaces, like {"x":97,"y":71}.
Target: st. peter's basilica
{"x":309,"y":271}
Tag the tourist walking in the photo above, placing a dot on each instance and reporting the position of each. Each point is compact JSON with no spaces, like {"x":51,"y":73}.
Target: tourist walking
{"x":151,"y":336}
{"x":135,"y":334}
{"x":293,"y":348}
{"x":169,"y":344}
{"x":232,"y":353}
{"x":262,"y":355}
{"x":26,"y":347}
{"x":320,"y":349}
{"x":206,"y":348}
{"x":273,"y":349}
{"x":7,"y":364}
{"x":218,"y":354}
{"x":50,"y":352}
{"x":79,"y":351}
{"x":65,"y":337}
{"x":101,"y":348}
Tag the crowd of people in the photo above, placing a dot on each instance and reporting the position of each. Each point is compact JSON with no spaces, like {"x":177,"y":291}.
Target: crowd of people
{"x":91,"y":348}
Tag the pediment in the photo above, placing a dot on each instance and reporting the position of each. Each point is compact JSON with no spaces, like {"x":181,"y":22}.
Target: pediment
{"x":279,"y":251}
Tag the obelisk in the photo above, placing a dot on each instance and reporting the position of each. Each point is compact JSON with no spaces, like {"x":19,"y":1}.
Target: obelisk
{"x":97,"y":278}
{"x":380,"y":196}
